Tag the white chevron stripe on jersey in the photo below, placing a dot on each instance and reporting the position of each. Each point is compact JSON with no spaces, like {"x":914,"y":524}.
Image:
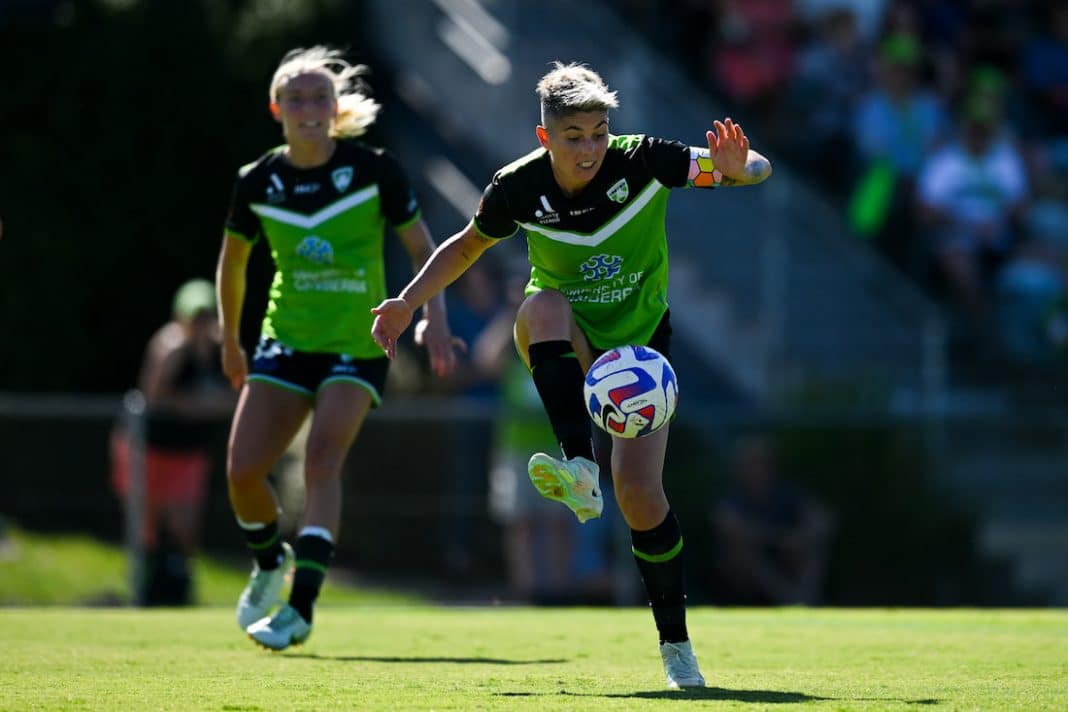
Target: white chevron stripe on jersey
{"x":605,"y":231}
{"x":318,"y":217}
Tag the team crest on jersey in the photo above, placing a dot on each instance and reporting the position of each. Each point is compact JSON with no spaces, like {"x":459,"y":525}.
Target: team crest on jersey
{"x":619,"y":191}
{"x":342,"y":178}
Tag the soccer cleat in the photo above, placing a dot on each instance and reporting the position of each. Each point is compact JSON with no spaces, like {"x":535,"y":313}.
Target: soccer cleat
{"x":284,"y":628}
{"x":573,"y":482}
{"x":680,"y":665}
{"x":264,"y":589}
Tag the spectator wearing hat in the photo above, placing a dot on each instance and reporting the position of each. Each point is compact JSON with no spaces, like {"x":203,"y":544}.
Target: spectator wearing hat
{"x":185,"y":395}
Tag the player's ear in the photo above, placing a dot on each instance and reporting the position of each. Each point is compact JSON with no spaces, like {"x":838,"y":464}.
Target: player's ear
{"x":543,"y":135}
{"x":276,"y":112}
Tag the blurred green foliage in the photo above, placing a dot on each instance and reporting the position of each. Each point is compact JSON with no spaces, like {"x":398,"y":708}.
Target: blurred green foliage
{"x":124,"y":123}
{"x":900,"y":538}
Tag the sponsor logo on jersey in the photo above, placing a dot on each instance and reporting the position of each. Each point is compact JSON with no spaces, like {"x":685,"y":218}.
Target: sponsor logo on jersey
{"x":620,"y":191}
{"x":601,"y":267}
{"x":317,"y":250}
{"x":614,"y":289}
{"x":305,"y":188}
{"x":342,"y":178}
{"x":548,"y":216}
{"x":276,"y":192}
{"x":328,"y":280}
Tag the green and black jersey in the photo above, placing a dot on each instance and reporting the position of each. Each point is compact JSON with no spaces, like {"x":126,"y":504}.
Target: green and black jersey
{"x":605,"y":248}
{"x":325,"y":228}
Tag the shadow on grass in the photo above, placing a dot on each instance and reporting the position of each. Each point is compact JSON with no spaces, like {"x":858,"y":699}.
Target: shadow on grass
{"x":700,"y":693}
{"x":400,"y":659}
{"x":767,"y":697}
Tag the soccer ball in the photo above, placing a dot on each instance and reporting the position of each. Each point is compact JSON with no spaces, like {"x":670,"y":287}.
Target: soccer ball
{"x":631,"y":391}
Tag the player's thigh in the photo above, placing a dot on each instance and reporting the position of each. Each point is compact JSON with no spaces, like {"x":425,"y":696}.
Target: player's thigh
{"x":639,"y":462}
{"x":547,"y":316}
{"x":266,"y":419}
{"x":340,"y":410}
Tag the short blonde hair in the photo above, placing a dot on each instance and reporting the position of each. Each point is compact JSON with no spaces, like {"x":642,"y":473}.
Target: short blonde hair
{"x":355,"y":109}
{"x":571,"y":88}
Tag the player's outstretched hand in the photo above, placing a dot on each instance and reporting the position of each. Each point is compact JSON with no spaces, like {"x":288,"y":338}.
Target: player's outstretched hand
{"x":392,"y":317}
{"x":729,"y":148}
{"x":440,"y":344}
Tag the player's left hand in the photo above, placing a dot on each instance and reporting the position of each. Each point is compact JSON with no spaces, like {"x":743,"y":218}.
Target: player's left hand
{"x":729,"y":148}
{"x":440,"y":344}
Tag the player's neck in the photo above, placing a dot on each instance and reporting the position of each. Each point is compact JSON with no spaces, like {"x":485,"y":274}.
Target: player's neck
{"x":310,"y":155}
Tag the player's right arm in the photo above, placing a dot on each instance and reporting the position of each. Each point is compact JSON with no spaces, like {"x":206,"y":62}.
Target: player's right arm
{"x":450,"y":260}
{"x":230,"y":292}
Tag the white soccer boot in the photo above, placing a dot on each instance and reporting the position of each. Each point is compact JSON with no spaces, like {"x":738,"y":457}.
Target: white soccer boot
{"x":680,"y":665}
{"x":573,"y":482}
{"x":264,"y":589}
{"x":284,"y":628}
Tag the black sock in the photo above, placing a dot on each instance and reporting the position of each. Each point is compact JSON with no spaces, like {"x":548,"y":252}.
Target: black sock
{"x":658,"y":553}
{"x":558,"y":378}
{"x":313,"y":552}
{"x":265,"y":544}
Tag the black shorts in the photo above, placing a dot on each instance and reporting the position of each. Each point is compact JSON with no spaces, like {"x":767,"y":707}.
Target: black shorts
{"x":306,"y":372}
{"x":660,"y":340}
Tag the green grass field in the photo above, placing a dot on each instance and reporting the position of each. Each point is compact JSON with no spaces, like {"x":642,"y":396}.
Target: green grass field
{"x":47,"y":569}
{"x":378,"y":650}
{"x":416,"y":657}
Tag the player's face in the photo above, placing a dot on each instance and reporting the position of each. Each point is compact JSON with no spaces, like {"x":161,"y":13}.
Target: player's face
{"x":306,"y":108}
{"x":577,"y":144}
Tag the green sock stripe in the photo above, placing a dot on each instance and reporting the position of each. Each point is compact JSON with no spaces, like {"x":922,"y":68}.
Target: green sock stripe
{"x":659,"y":558}
{"x":264,"y":545}
{"x":313,"y":565}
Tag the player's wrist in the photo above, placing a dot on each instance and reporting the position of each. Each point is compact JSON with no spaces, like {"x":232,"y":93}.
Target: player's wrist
{"x":406,"y":302}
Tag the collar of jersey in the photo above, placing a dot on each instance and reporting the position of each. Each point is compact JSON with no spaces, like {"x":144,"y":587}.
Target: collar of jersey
{"x":605,"y":231}
{"x":320,"y":216}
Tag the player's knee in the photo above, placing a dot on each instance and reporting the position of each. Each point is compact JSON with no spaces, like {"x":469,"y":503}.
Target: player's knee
{"x":545,"y":315}
{"x":242,"y":473}
{"x":641,"y":502}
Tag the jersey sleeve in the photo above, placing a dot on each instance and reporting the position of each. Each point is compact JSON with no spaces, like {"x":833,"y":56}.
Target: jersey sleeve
{"x":493,"y":217}
{"x":399,"y":204}
{"x":240,"y":220}
{"x":667,"y":161}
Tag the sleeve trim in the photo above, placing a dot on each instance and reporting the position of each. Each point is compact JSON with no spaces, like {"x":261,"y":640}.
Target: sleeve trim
{"x":474,"y":223}
{"x":230,"y":232}
{"x":410,"y":221}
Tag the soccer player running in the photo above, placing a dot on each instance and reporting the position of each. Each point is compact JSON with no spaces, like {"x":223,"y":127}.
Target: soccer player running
{"x":322,"y":201}
{"x":593,"y":207}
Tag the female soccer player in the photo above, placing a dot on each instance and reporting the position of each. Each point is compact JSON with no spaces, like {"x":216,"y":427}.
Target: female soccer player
{"x":322,"y":201}
{"x":593,"y":208}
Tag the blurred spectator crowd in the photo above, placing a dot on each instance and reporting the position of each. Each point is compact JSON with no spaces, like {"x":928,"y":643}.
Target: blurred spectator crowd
{"x":940,"y":128}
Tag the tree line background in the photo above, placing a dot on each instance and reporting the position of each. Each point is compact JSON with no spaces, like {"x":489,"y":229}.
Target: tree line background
{"x":124,"y":123}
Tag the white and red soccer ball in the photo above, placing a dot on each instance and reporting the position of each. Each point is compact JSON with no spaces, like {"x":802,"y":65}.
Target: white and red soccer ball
{"x":631,"y":391}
